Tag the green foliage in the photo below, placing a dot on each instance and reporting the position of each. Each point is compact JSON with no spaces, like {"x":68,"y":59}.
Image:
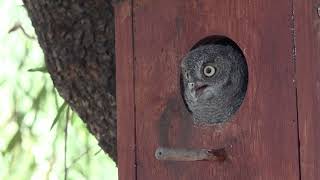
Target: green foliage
{"x":58,"y":116}
{"x":40,"y":69}
{"x":37,"y":127}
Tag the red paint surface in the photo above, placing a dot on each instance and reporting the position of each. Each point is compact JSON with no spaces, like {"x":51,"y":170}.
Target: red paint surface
{"x":308,"y":85}
{"x":262,"y":139}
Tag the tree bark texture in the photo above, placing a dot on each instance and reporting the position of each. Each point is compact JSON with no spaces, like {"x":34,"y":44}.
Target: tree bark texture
{"x":77,"y":37}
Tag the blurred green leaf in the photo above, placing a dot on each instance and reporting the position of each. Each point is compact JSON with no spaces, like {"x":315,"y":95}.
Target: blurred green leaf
{"x":15,"y":27}
{"x":17,"y":114}
{"x":56,"y":97}
{"x":36,"y":103}
{"x":60,"y":110}
{"x":18,"y":26}
{"x":39,"y":97}
{"x":24,"y":57}
{"x":81,"y":171}
{"x":15,"y":140}
{"x":39,"y":69}
{"x":31,"y":167}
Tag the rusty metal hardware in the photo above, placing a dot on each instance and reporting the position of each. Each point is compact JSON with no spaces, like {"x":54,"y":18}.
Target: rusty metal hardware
{"x":183,"y":154}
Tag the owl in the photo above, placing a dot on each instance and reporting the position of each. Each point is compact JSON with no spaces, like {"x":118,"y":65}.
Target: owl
{"x":214,"y":80}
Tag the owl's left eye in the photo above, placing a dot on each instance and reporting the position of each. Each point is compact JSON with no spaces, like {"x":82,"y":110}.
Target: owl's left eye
{"x":209,"y":70}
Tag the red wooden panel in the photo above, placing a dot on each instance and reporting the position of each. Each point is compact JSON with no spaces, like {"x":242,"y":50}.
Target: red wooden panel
{"x":125,"y":91}
{"x":262,"y":139}
{"x":308,"y":85}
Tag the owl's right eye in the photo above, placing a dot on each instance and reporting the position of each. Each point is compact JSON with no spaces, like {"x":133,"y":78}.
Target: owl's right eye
{"x":209,"y":70}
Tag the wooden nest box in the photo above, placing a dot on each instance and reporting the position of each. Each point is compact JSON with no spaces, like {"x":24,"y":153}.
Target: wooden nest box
{"x":272,"y":136}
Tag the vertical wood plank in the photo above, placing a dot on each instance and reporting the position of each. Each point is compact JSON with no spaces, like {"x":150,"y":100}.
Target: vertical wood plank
{"x":125,"y":91}
{"x":308,"y":85}
{"x":262,"y":139}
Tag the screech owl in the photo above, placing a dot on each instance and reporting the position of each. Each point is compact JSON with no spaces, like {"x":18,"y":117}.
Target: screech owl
{"x":214,"y":80}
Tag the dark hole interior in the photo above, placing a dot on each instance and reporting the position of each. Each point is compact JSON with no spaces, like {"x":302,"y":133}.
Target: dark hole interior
{"x":216,"y":39}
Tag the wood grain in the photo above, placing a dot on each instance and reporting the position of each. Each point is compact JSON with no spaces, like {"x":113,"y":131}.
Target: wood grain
{"x":308,"y":85}
{"x":262,"y":140}
{"x":125,"y":92}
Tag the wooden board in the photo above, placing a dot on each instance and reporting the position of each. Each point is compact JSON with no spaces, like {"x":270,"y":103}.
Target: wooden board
{"x":262,"y":139}
{"x":308,"y":85}
{"x":125,"y":92}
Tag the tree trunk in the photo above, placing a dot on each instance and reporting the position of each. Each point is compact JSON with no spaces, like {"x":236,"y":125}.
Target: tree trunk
{"x":77,"y":38}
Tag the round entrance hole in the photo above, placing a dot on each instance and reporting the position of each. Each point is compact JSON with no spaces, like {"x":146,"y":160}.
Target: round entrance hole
{"x":214,"y":79}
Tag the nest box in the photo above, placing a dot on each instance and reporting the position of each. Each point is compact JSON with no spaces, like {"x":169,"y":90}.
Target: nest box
{"x":272,"y":135}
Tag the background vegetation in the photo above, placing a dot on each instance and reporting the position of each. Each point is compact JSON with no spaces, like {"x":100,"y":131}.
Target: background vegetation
{"x":40,"y":136}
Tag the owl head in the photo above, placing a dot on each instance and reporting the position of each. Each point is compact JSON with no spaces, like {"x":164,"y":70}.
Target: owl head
{"x":214,"y":82}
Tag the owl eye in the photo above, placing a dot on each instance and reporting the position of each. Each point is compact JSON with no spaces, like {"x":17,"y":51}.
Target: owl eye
{"x":209,"y":70}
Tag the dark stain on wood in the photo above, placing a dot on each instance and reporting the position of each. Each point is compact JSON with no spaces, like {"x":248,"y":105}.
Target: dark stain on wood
{"x":175,"y":110}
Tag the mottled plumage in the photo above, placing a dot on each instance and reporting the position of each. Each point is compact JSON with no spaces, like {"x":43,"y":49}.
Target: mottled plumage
{"x":214,"y":80}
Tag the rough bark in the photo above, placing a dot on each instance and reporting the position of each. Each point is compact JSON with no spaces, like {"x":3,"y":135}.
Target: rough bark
{"x":77,"y":37}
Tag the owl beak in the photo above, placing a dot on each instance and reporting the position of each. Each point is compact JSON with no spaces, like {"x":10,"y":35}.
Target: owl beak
{"x":200,"y":87}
